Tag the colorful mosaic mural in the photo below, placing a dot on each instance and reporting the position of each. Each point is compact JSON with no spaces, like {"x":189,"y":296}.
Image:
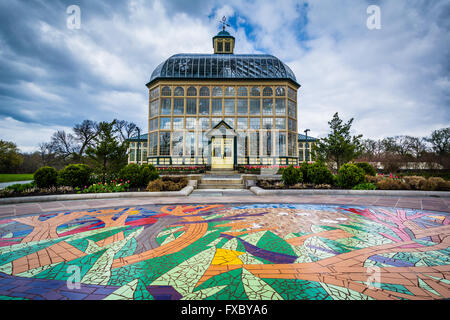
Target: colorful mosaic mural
{"x":257,"y":251}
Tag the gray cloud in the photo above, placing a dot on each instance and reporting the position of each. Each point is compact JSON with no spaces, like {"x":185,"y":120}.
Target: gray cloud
{"x":393,"y":81}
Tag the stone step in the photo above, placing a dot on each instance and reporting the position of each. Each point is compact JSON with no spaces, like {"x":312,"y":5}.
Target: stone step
{"x":224,"y":181}
{"x":221,"y":186}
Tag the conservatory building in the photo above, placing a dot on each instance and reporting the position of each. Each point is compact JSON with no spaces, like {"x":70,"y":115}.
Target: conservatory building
{"x":222,"y":109}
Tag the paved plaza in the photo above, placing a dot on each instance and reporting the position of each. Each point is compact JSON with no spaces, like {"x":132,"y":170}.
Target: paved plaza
{"x":225,"y":244}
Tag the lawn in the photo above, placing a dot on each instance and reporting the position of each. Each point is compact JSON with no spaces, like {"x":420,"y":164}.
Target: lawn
{"x":15,"y":177}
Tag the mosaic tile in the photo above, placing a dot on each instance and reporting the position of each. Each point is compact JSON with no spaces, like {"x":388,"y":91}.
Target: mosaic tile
{"x":226,"y":252}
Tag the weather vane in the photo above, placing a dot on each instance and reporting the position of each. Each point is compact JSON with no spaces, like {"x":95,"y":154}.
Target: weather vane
{"x":224,"y":23}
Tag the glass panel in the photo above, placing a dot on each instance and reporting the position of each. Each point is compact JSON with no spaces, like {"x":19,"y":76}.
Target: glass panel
{"x":242,"y":144}
{"x":153,"y":144}
{"x":178,"y":92}
{"x":255,"y":106}
{"x":217,"y":92}
{"x":216,"y":106}
{"x":280,"y":91}
{"x":291,"y":109}
{"x":190,"y":123}
{"x":280,"y":123}
{"x":267,"y":107}
{"x":191,"y":106}
{"x":178,"y":106}
{"x":177,"y":144}
{"x":280,"y":107}
{"x":255,"y":123}
{"x":204,"y":123}
{"x":154,"y":124}
{"x":267,"y":143}
{"x":166,"y":92}
{"x":230,"y":122}
{"x":191,"y":92}
{"x":281,"y":144}
{"x":242,"y":106}
{"x":164,"y":143}
{"x":255,"y":92}
{"x":154,"y":93}
{"x":154,"y":108}
{"x":292,"y":144}
{"x":166,"y":106}
{"x":267,"y":123}
{"x":133,"y":155}
{"x":229,"y":106}
{"x":203,"y":106}
{"x":242,"y":91}
{"x":177,"y":123}
{"x":267,"y":92}
{"x":190,"y":144}
{"x":230,"y":92}
{"x":165,"y":123}
{"x":204,"y":92}
{"x":254,"y":143}
{"x":242,"y":123}
{"x":292,"y":94}
{"x":292,"y":125}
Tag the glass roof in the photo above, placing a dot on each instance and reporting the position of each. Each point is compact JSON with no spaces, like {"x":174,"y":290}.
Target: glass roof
{"x":223,"y":66}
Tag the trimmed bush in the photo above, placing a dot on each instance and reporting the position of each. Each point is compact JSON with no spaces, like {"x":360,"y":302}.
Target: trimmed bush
{"x":318,"y":173}
{"x":365,"y":186}
{"x":46,"y":177}
{"x":167,"y":184}
{"x":138,"y":175}
{"x":415,"y":182}
{"x":132,"y":173}
{"x":368,"y":169}
{"x":305,"y":172}
{"x":75,"y":175}
{"x":393,"y":184}
{"x":291,"y":176}
{"x":148,"y":173}
{"x":436,"y":184}
{"x":350,"y":175}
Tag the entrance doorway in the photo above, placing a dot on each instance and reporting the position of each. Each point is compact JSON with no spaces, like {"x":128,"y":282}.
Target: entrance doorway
{"x":222,"y":153}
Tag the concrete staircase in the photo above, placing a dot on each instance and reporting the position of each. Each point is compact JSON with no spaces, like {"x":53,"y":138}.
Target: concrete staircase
{"x":221,"y":179}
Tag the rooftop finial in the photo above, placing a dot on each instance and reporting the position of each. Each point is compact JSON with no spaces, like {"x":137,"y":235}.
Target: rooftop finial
{"x":224,"y":23}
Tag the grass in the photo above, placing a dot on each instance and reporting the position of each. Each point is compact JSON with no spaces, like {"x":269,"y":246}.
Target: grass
{"x":15,"y":177}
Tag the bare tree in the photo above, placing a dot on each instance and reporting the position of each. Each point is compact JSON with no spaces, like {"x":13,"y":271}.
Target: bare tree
{"x":85,"y":133}
{"x":125,"y":129}
{"x":64,"y":145}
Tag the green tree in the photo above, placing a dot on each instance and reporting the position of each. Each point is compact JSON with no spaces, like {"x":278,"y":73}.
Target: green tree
{"x":339,"y":146}
{"x":10,"y":158}
{"x":108,"y":155}
{"x":440,"y":141}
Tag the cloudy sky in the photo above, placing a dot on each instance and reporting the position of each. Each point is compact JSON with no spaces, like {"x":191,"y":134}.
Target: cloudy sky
{"x":393,"y":81}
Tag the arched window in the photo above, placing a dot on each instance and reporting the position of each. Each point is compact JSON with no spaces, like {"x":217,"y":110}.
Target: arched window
{"x":217,"y":92}
{"x":178,"y":92}
{"x":166,"y":92}
{"x":255,"y":92}
{"x":242,"y":91}
{"x":191,"y":92}
{"x":204,"y":92}
{"x":230,"y":92}
{"x":267,"y":92}
{"x":280,"y":92}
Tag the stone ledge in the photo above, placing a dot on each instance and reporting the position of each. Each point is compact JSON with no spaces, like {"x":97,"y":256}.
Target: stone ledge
{"x":333,"y":192}
{"x":89,"y":196}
